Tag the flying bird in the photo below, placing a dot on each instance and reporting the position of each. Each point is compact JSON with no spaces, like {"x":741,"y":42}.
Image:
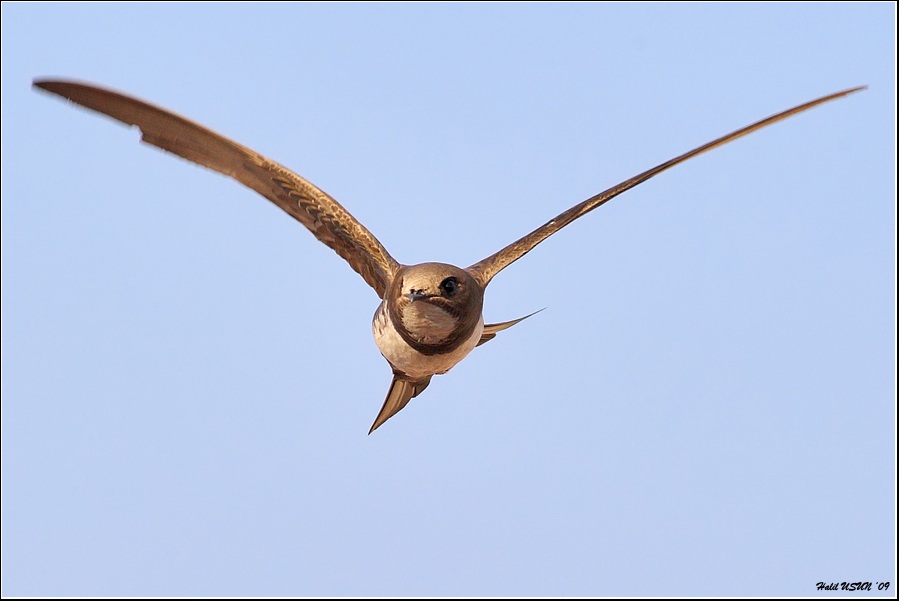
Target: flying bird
{"x":430,"y":316}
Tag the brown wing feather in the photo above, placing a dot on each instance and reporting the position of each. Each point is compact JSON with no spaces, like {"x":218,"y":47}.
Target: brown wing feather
{"x":321,"y":214}
{"x":484,"y":270}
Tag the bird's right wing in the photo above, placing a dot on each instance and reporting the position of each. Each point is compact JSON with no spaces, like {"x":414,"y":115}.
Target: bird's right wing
{"x":321,"y":214}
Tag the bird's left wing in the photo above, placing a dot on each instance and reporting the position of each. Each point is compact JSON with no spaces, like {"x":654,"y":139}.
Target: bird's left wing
{"x":484,"y":270}
{"x":322,"y":215}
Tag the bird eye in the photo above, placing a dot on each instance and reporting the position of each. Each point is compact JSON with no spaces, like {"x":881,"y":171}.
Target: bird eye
{"x":449,"y":286}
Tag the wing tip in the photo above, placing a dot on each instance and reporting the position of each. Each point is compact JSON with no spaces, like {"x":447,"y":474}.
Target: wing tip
{"x":842,"y":93}
{"x":53,"y":85}
{"x":46,"y":85}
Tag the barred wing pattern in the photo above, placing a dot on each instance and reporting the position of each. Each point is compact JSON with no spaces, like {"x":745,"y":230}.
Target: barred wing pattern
{"x":322,"y":215}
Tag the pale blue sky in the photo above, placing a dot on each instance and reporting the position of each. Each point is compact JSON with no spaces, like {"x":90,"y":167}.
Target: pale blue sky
{"x":706,"y":407}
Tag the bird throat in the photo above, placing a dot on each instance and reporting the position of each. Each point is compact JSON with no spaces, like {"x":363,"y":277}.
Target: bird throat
{"x":429,"y":328}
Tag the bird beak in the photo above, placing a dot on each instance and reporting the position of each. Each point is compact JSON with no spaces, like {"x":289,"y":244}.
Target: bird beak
{"x":417,"y":295}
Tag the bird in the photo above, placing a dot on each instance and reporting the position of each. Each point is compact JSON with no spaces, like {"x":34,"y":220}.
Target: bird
{"x":431,"y":314}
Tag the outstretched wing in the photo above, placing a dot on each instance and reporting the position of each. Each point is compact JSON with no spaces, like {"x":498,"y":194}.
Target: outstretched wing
{"x":483,"y":271}
{"x":321,"y":214}
{"x":402,"y":390}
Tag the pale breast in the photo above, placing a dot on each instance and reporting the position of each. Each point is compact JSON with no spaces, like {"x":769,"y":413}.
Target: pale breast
{"x":408,"y":360}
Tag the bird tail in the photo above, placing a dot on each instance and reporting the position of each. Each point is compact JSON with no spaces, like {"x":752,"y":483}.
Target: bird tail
{"x":402,"y":390}
{"x":491,"y":329}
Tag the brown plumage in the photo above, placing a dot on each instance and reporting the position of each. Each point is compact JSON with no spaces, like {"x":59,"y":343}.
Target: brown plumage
{"x":430,"y":316}
{"x":322,"y":215}
{"x":485,"y":269}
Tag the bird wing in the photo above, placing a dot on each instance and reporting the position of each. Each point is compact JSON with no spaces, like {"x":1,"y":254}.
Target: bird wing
{"x":322,"y":215}
{"x":484,"y":270}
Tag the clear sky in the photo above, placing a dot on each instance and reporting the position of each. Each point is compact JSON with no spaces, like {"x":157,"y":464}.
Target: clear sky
{"x":706,"y":407}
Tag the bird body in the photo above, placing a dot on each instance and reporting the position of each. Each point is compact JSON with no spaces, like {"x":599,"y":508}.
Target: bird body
{"x":409,"y":361}
{"x":431,"y":314}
